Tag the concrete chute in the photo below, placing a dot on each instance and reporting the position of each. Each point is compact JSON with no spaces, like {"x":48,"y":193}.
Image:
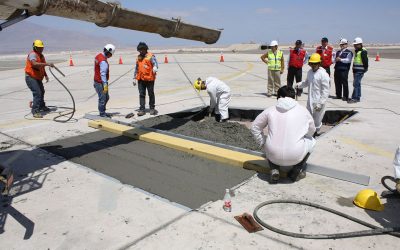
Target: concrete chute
{"x":105,"y":14}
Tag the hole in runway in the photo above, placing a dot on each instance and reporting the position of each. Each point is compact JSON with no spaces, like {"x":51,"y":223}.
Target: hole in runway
{"x":196,"y":124}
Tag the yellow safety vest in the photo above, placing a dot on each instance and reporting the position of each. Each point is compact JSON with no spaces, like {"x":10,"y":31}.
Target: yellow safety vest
{"x":274,"y":60}
{"x":358,"y":64}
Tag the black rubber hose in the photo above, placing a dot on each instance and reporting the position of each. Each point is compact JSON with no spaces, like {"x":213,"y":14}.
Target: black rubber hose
{"x":72,"y":110}
{"x":394,"y":231}
{"x":383,"y":181}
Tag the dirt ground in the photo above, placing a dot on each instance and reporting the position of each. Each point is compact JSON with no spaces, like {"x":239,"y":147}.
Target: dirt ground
{"x":229,"y":133}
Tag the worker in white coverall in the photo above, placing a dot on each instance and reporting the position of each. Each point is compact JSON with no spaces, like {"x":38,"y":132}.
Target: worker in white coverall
{"x":290,"y":130}
{"x":396,"y":165}
{"x":318,"y":89}
{"x":220,"y":96}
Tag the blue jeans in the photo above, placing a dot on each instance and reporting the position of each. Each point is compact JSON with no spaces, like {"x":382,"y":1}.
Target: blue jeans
{"x":103,"y":98}
{"x":357,"y":86}
{"x":37,"y":89}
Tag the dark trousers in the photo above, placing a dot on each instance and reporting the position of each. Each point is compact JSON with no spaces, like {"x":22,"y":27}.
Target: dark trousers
{"x":103,"y":98}
{"x":292,"y":74}
{"x":37,"y":89}
{"x":142,"y":86}
{"x":328,"y":70}
{"x":341,"y":82}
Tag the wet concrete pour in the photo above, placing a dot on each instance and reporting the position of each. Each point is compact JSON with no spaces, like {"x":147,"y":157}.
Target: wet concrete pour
{"x":179,"y":177}
{"x":229,"y":133}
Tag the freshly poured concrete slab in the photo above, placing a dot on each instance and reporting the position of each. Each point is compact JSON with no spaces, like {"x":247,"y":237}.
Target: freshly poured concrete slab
{"x":56,"y":204}
{"x":176,"y":176}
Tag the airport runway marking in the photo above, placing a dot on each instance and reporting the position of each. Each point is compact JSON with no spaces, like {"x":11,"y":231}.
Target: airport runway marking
{"x":366,"y":147}
{"x":230,"y":77}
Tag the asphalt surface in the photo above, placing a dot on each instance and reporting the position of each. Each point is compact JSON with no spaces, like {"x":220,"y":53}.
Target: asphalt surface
{"x":179,"y":177}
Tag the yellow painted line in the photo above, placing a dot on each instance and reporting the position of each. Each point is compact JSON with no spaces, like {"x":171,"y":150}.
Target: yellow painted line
{"x":210,"y":152}
{"x":169,"y":91}
{"x":21,"y":122}
{"x":366,"y":147}
{"x":250,"y":67}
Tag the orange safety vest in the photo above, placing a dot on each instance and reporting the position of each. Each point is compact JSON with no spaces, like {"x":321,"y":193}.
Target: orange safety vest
{"x":37,"y":73}
{"x":145,"y":68}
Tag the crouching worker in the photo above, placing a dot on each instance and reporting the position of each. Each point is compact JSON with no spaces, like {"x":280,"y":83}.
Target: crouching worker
{"x":290,"y":129}
{"x":220,"y":96}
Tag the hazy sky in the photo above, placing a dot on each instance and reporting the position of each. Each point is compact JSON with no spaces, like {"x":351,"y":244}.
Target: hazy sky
{"x":260,"y":20}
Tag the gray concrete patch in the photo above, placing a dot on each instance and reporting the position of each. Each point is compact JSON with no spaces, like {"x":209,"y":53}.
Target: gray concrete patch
{"x":178,"y":177}
{"x":229,"y":133}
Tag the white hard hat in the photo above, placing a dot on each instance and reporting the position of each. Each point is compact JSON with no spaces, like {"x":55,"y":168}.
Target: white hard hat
{"x":343,"y":41}
{"x":273,"y":43}
{"x":357,"y":40}
{"x":110,"y":48}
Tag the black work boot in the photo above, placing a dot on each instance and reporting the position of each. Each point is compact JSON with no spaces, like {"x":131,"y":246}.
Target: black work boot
{"x":45,"y":109}
{"x":274,"y":176}
{"x":153,"y":112}
{"x":37,"y":115}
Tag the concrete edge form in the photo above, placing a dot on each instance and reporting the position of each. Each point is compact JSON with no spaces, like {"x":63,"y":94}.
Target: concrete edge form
{"x":340,"y":175}
{"x":210,"y":152}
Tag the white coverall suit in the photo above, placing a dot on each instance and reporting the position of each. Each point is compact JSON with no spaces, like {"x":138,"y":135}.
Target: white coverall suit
{"x":396,"y":164}
{"x":290,"y":131}
{"x":318,"y":92}
{"x":220,"y":96}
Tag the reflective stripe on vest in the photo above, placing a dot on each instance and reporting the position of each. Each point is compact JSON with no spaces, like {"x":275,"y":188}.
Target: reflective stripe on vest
{"x":274,"y":61}
{"x":145,"y":68}
{"x":358,"y":64}
{"x":326,"y":55}
{"x":37,"y":73}
{"x":296,"y":58}
{"x":97,"y":74}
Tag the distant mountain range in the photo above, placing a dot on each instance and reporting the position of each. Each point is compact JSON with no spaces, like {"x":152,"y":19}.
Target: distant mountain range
{"x":18,"y":39}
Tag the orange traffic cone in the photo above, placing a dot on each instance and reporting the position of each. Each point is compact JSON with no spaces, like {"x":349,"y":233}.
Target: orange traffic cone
{"x":120,"y":60}
{"x":377,"y":58}
{"x":221,"y":59}
{"x":71,"y":63}
{"x":165,"y":59}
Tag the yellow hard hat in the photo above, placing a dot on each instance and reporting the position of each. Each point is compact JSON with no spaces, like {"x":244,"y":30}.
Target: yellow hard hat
{"x":197,"y":84}
{"x":368,"y":199}
{"x":315,"y":58}
{"x":38,"y":43}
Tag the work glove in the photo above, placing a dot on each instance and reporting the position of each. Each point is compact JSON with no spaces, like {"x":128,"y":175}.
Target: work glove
{"x":134,"y":82}
{"x":50,"y":65}
{"x":105,"y":88}
{"x":47,"y":78}
{"x":317,"y":107}
{"x":155,"y":69}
